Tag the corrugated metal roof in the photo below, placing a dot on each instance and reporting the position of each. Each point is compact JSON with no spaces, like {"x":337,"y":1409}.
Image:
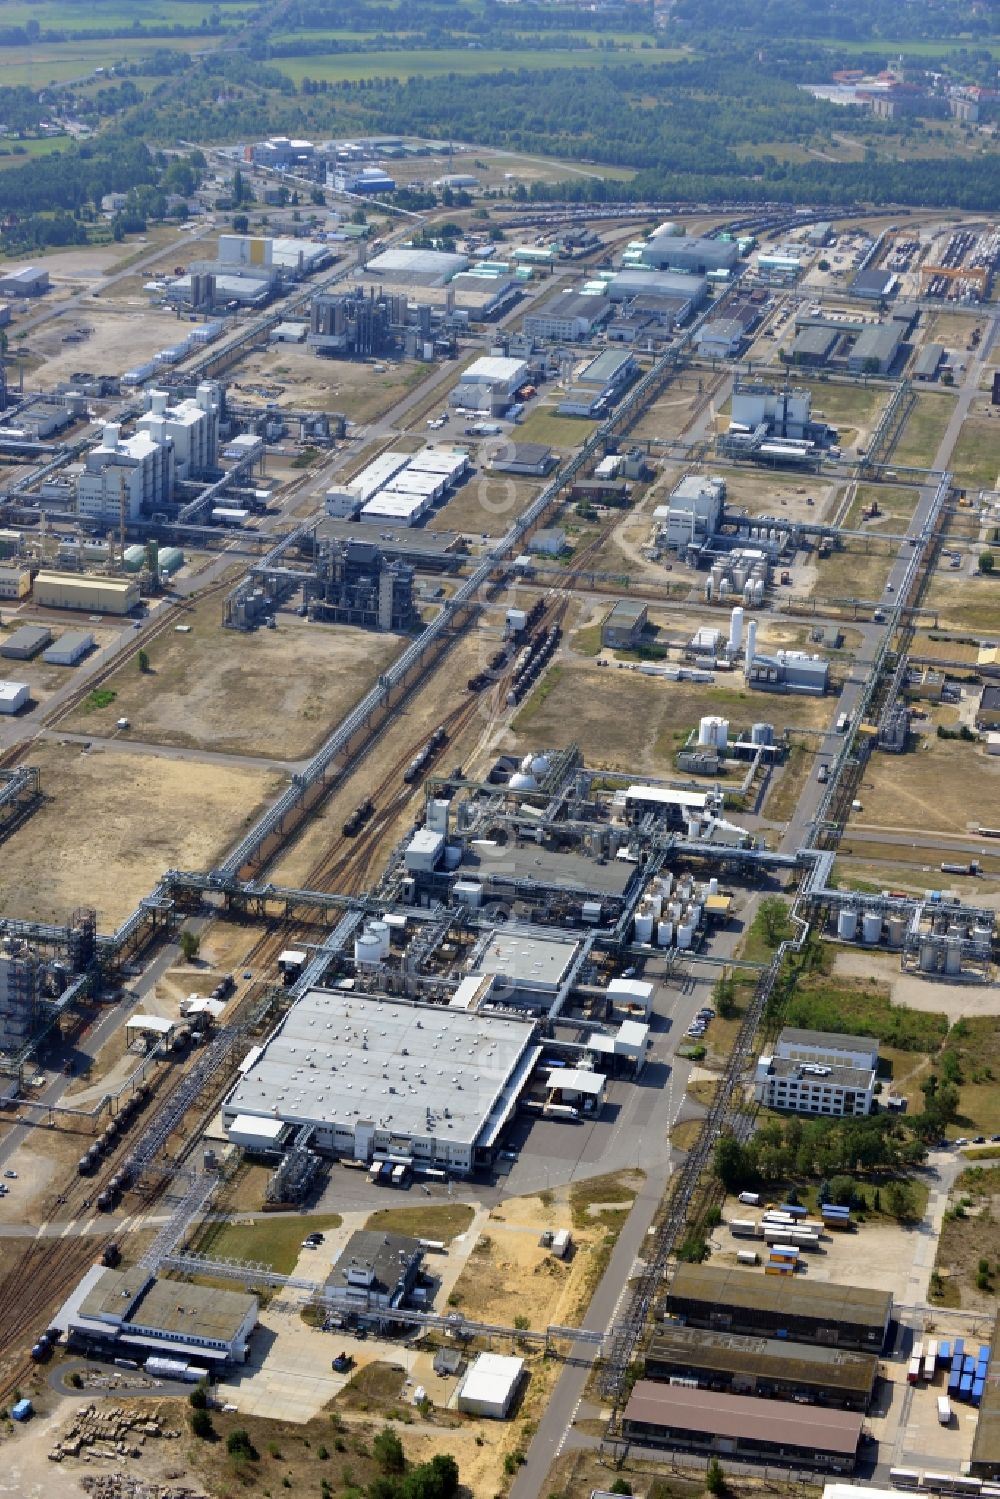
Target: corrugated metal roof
{"x":744,"y":1417}
{"x":720,"y":1288}
{"x":735,"y":1353}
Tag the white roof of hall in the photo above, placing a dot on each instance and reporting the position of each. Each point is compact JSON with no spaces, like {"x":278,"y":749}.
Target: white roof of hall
{"x":344,"y":1056}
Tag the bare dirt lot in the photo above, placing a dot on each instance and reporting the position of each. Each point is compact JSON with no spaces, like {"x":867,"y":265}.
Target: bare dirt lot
{"x":271,"y":693}
{"x":118,"y":340}
{"x":487,"y":505}
{"x":784,"y":495}
{"x":112,"y":823}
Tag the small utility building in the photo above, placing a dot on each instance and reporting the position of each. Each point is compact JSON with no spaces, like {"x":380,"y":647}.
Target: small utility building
{"x":624,"y":624}
{"x":375,"y":1271}
{"x":490,"y":1387}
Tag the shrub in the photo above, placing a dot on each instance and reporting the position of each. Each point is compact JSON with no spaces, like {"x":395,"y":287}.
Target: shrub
{"x":715,"y":1478}
{"x":201,"y":1424}
{"x":238,"y":1444}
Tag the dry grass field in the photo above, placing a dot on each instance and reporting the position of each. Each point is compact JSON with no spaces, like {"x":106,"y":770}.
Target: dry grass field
{"x":272,"y":693}
{"x":938,"y":788}
{"x":623,"y":720}
{"x":112,"y":823}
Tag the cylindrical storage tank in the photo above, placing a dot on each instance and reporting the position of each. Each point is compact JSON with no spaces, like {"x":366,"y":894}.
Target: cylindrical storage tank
{"x":736,"y":628}
{"x":751,"y":650}
{"x":871,"y":926}
{"x":897,"y":930}
{"x":643,"y":927}
{"x":706,"y":730}
{"x":758,"y":591}
{"x":693,"y":827}
{"x":685,"y":936}
{"x":982,"y":939}
{"x":694,"y":916}
{"x":380,"y":931}
{"x":654,"y":900}
{"x":724,"y":589}
{"x":713,"y":885}
{"x":366,"y":950}
{"x":928,"y":957}
{"x":762,"y":733}
{"x":847,"y":924}
{"x":708,"y":590}
{"x":953,"y":958}
{"x":664,"y":933}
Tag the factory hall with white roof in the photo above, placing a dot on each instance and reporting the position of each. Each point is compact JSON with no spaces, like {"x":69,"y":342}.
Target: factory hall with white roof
{"x":376,"y":1075}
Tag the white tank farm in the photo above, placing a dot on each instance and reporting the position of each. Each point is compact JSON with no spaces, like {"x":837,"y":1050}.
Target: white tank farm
{"x":871,"y":927}
{"x":847,"y":924}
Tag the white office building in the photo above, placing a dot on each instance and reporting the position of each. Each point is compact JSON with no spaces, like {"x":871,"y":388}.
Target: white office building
{"x":124,"y":476}
{"x":192,"y":426}
{"x":818,"y":1072}
{"x":489,"y":384}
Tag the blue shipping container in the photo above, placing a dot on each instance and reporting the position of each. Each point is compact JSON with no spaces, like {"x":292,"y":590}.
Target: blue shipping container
{"x":977,"y":1391}
{"x":954,"y":1380}
{"x":965,"y":1388}
{"x":959,"y":1347}
{"x":944,"y":1352}
{"x":984,"y":1353}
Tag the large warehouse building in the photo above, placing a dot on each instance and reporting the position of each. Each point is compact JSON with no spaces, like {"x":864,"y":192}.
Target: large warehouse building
{"x":695,"y":254}
{"x":771,"y":1367}
{"x":421,"y":1083}
{"x":95,"y":594}
{"x":129,"y":1313}
{"x":734,"y":1300}
{"x":659,"y":1415}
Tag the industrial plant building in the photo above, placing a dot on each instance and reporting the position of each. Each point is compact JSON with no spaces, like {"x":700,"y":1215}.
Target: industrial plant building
{"x":598,"y":383}
{"x":875,"y":349}
{"x":375,"y":1272}
{"x":96,"y":595}
{"x":123,"y":477}
{"x":805,"y":1311}
{"x":624,"y":623}
{"x":721,"y":338}
{"x":131,"y":1314}
{"x":489,"y":384}
{"x":569,"y":316}
{"x":416,"y":267}
{"x":26,"y":281}
{"x":659,"y":1415}
{"x":535,"y":459}
{"x":20,"y":992}
{"x":668,"y":297}
{"x":695,"y":255}
{"x":770,"y":1367}
{"x":375,"y":1079}
{"x":818,"y":1072}
{"x":13,"y":697}
{"x":694,"y":511}
{"x":190,"y":426}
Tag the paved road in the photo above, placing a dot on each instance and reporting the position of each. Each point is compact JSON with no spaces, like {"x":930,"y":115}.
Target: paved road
{"x":121,"y":743}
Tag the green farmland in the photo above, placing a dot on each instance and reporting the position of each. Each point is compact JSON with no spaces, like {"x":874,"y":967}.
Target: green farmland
{"x":341,"y":67}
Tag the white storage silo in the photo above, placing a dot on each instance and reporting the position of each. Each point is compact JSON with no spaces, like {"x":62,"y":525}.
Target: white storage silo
{"x":736,"y":630}
{"x":751,"y":650}
{"x":847,"y":924}
{"x":897,"y":930}
{"x":367,"y":950}
{"x":953,"y":958}
{"x":871,"y":926}
{"x":664,"y":933}
{"x":706,"y":730}
{"x":762,"y":733}
{"x":643,"y":927}
{"x":380,"y":931}
{"x":685,"y":937}
{"x":713,"y":885}
{"x":928,"y":957}
{"x":758,"y":590}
